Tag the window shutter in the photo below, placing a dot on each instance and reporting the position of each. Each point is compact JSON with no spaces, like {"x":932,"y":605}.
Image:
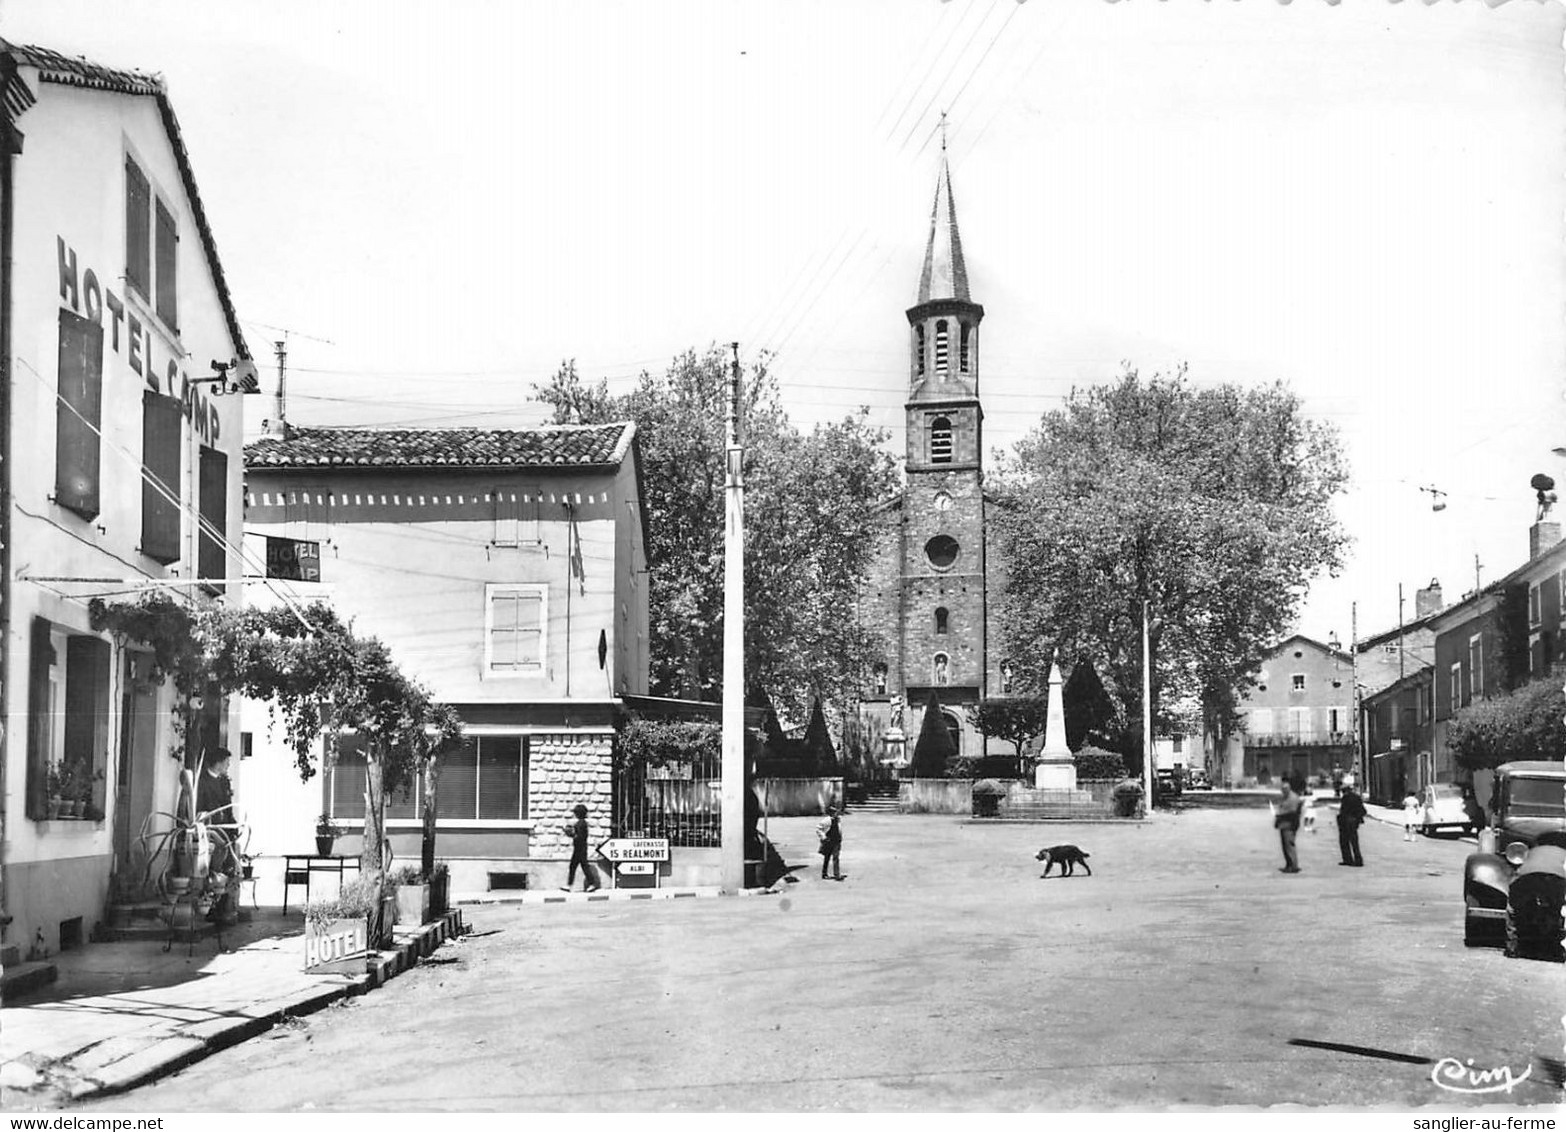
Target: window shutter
{"x":87,"y":702}
{"x":78,"y":410}
{"x":508,"y":514}
{"x":212,"y":556}
{"x":138,"y":202}
{"x":167,"y":243}
{"x":39,"y":720}
{"x":160,"y":467}
{"x":499,"y":778}
{"x":459,"y":782}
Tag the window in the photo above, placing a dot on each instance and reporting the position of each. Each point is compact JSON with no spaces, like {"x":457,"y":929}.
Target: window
{"x":964,"y":333}
{"x":1297,"y":682}
{"x":942,"y":362}
{"x":941,"y":551}
{"x":1475,"y":667}
{"x":78,"y":410}
{"x":941,"y":620}
{"x":1534,"y":615}
{"x":485,"y":779}
{"x":954,"y":729}
{"x":68,"y":712}
{"x":151,"y":246}
{"x":1333,"y":720}
{"x":514,"y":629}
{"x":516,"y":514}
{"x":941,"y":440}
{"x":1179,"y":744}
{"x":212,"y":543}
{"x":160,"y":482}
{"x":919,"y":348}
{"x":1455,"y":687}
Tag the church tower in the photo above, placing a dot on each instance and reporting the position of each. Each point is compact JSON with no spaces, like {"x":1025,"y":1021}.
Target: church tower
{"x":943,"y":598}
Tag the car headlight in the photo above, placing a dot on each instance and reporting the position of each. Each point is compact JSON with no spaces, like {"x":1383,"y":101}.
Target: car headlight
{"x":1516,"y":853}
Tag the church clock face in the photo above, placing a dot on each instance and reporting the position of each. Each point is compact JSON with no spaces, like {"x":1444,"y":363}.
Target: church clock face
{"x":943,"y":501}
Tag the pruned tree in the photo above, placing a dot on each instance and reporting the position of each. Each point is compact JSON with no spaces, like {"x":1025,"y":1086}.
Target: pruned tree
{"x":1211,"y":504}
{"x":816,"y":747}
{"x":1090,"y":713}
{"x":808,"y":500}
{"x":934,"y":748}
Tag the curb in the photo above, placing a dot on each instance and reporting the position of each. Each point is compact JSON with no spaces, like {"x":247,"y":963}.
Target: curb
{"x":616,"y":895}
{"x":174,"y":1052}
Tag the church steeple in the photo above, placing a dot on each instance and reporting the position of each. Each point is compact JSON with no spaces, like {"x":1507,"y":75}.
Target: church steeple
{"x":944,"y":323}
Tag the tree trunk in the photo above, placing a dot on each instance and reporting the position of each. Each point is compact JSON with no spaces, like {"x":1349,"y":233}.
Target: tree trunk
{"x":372,"y":856}
{"x":431,"y":781}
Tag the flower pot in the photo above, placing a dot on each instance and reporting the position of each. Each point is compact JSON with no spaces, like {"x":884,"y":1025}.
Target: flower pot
{"x":56,"y":805}
{"x":247,"y":871}
{"x":323,"y":844}
{"x":413,"y":903}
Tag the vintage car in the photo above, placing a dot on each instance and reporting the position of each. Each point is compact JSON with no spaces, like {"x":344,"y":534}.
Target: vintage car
{"x":1196,"y":779}
{"x":1515,"y":886}
{"x":1441,"y":807}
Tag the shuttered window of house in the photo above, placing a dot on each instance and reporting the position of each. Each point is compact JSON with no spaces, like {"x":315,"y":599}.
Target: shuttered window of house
{"x":40,"y":719}
{"x":458,"y":786}
{"x":138,"y":209}
{"x":160,"y":468}
{"x":78,"y":410}
{"x":167,"y":243}
{"x":212,"y":555}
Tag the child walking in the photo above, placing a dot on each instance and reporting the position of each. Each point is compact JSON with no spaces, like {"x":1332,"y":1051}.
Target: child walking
{"x":1410,"y":815}
{"x":829,"y":830}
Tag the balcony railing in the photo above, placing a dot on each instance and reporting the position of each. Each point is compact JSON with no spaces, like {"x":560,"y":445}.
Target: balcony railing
{"x":1304,"y":737}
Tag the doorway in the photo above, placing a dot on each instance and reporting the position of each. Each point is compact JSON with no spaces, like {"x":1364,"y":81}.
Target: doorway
{"x":135,"y":770}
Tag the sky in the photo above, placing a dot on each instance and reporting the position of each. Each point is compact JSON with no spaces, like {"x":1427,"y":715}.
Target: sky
{"x":436,"y":204}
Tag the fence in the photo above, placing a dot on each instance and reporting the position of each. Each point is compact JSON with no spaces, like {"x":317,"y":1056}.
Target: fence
{"x":680,"y":801}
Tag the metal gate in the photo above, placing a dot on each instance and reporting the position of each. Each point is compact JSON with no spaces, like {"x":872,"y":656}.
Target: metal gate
{"x":681,"y":801}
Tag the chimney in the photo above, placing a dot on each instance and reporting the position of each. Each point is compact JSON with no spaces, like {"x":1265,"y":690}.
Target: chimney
{"x":1542,"y":536}
{"x":1428,"y":600}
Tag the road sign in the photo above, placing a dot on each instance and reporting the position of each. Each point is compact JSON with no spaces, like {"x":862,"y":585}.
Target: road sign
{"x":293,"y":559}
{"x":635,"y":868}
{"x":619,"y":849}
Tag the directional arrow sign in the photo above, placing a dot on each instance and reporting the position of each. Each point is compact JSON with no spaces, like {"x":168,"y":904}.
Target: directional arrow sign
{"x":635,"y":849}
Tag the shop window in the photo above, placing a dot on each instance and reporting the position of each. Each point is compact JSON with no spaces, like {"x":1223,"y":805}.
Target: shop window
{"x":483,"y":779}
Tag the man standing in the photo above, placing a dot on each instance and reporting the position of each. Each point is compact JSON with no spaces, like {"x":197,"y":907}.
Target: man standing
{"x":577,"y":831}
{"x":1286,"y":817}
{"x":1351,"y":814}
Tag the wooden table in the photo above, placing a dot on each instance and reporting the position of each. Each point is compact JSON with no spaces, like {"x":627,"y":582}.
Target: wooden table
{"x":298,"y":868}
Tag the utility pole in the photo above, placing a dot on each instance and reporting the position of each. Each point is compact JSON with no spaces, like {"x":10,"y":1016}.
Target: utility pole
{"x":732,"y":852}
{"x":1147,"y":708}
{"x":1356,"y":760}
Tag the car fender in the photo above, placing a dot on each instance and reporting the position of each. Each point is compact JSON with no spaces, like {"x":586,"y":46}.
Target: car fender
{"x":1486,"y":879}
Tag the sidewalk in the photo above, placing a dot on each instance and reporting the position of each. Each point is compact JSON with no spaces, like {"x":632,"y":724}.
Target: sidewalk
{"x":121,"y":1014}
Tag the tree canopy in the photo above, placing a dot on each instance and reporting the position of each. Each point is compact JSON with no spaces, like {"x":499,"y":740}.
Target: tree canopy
{"x":808,"y":499}
{"x":1016,"y":719}
{"x":1214,"y":504}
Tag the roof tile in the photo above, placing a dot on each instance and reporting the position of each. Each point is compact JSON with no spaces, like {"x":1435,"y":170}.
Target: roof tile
{"x":547,"y":447}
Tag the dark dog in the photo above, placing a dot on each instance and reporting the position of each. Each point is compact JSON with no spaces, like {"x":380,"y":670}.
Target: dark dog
{"x":1069,"y":857}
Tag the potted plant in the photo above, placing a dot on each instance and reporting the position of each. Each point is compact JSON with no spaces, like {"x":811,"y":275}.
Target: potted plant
{"x":55,"y":788}
{"x":326,"y":832}
{"x":413,"y":894}
{"x":247,"y":866}
{"x":83,"y":790}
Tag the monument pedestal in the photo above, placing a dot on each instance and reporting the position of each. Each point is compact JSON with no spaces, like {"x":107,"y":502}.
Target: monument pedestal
{"x":1055,"y":775}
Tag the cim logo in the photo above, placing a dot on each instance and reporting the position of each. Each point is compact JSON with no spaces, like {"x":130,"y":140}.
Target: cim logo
{"x":335,"y":942}
{"x":1459,"y":1077}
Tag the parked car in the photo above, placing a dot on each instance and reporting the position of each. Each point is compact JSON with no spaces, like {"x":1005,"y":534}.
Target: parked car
{"x":1442,"y":808}
{"x":1196,"y":779}
{"x":1514,"y":887}
{"x":1167,"y":783}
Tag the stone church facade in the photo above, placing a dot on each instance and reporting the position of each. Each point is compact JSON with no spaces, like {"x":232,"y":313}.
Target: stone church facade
{"x":931,"y":591}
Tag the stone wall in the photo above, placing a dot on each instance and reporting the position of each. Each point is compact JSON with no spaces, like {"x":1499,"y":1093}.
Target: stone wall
{"x":562,"y":771}
{"x":796,"y":797}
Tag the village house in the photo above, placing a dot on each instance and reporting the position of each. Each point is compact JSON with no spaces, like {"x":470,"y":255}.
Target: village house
{"x":506,"y":572}
{"x":122,"y":473}
{"x":1297,"y":719}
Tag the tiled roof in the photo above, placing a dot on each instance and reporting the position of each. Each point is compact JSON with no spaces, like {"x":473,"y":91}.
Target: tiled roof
{"x":53,"y":67}
{"x":555,"y":446}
